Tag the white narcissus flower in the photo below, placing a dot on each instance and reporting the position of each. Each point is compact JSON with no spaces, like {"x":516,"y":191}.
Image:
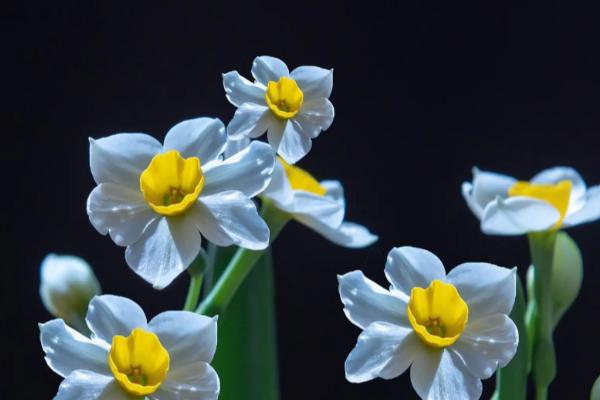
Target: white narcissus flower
{"x":67,"y":284}
{"x":450,"y":330}
{"x":293,"y":108}
{"x":318,"y":205}
{"x":156,"y":199}
{"x":127,"y":357}
{"x":554,"y":198}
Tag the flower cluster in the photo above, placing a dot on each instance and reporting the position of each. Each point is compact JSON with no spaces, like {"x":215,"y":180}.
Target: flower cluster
{"x":163,"y":202}
{"x":172,"y":205}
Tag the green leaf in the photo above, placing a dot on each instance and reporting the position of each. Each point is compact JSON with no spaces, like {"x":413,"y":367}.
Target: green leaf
{"x":595,"y":394}
{"x":567,"y":275}
{"x":246,"y":358}
{"x":511,"y":381}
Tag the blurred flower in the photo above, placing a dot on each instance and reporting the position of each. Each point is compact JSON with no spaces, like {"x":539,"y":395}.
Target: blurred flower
{"x":318,"y":205}
{"x":451,"y":330}
{"x":67,"y":285}
{"x":293,"y":108}
{"x":157,"y":199}
{"x":167,"y":358}
{"x":555,"y":198}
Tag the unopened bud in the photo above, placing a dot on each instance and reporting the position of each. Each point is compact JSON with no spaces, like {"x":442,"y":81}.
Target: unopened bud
{"x":67,"y":285}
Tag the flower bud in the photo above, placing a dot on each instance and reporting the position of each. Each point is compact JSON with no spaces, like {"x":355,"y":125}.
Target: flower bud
{"x":67,"y":285}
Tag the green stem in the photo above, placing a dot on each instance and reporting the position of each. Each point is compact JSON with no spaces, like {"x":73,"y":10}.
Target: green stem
{"x":541,"y":393}
{"x":196,"y":271}
{"x":541,"y":245}
{"x":511,"y":381}
{"x":240,"y":265}
{"x":191,"y":300}
{"x":211,"y":251}
{"x":531,"y":315}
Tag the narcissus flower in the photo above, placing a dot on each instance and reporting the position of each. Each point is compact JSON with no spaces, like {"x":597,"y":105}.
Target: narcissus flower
{"x":67,"y":285}
{"x":450,"y":330}
{"x":293,"y":108}
{"x":157,"y":199}
{"x":318,"y":205}
{"x":554,"y":198}
{"x":127,"y":357}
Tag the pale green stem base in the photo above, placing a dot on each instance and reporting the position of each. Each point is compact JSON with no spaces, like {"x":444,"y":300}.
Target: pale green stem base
{"x":541,"y":245}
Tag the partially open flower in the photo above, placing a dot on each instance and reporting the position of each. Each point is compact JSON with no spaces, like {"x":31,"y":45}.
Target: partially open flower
{"x":554,"y":198}
{"x":450,"y":330}
{"x":128,"y":357}
{"x":67,"y":284}
{"x":318,"y":205}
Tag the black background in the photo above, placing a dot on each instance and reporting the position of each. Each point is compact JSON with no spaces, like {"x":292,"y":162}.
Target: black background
{"x":423,"y":91}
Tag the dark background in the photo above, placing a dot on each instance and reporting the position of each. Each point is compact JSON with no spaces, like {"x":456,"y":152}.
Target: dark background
{"x":423,"y":91}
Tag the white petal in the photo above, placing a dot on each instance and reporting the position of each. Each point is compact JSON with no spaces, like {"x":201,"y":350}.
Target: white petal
{"x":240,"y":90}
{"x":110,"y":315}
{"x":348,"y":234}
{"x":440,"y":375}
{"x":275,"y":133}
{"x":167,"y":247}
{"x":590,"y":210}
{"x":467,"y":192}
{"x":188,"y":337}
{"x":88,"y":385}
{"x":315,"y":116}
{"x":486,"y":288}
{"x":204,"y":138}
{"x":197,"y":382}
{"x":366,"y":302}
{"x":266,"y":68}
{"x":383,"y":350}
{"x":279,"y":190}
{"x":230,"y":218}
{"x":335,"y":191}
{"x":234,"y":146}
{"x":487,"y":186}
{"x":121,"y":158}
{"x":408,"y":267}
{"x":119,"y":211}
{"x":251,"y":120}
{"x":249,"y":171}
{"x":486,"y":344}
{"x":67,"y":350}
{"x":557,"y":174}
{"x":295,"y":143}
{"x":313,"y":81}
{"x":313,"y":210}
{"x":518,"y":216}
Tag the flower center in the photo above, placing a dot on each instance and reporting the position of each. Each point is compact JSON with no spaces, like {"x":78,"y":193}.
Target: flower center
{"x":556,"y":194}
{"x":437,"y":314}
{"x":171,"y":183}
{"x":284,"y":97}
{"x":302,"y":180}
{"x":138,"y":362}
